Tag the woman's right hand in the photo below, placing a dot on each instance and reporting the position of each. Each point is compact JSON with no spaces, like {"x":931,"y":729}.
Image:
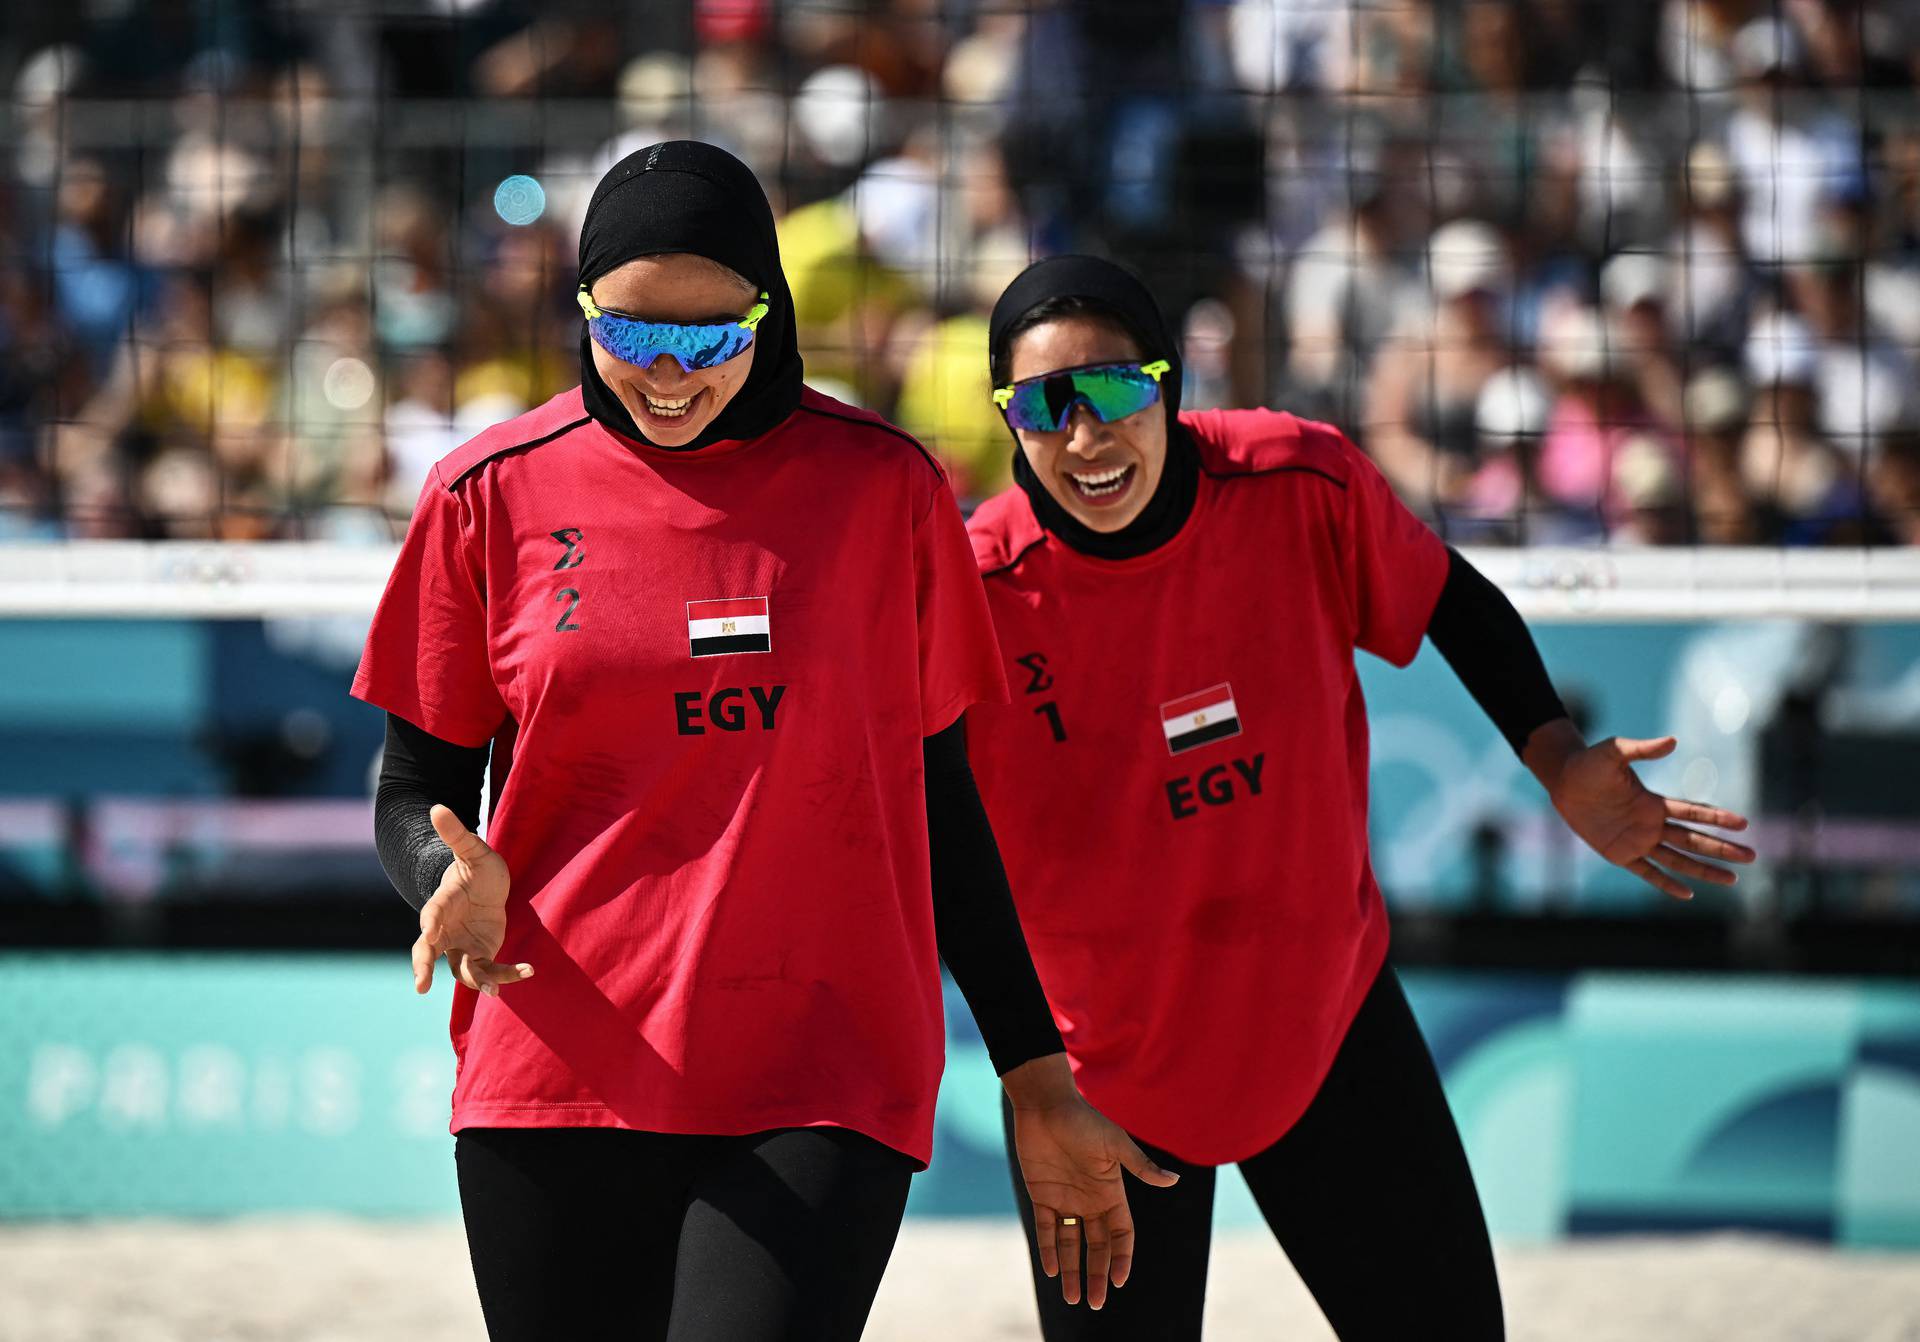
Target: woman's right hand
{"x":466,"y":920}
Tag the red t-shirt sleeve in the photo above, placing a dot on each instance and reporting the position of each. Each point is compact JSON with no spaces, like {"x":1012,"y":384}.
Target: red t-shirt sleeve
{"x":1394,"y":563}
{"x":959,"y":653}
{"x":426,"y":654}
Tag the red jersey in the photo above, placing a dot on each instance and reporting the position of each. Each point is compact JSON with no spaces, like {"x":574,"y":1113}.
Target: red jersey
{"x":1179,"y":786}
{"x":713,"y":671}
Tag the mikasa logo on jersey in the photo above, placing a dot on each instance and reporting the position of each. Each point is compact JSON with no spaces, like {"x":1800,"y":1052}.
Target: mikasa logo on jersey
{"x":1195,"y":719}
{"x":733,"y":624}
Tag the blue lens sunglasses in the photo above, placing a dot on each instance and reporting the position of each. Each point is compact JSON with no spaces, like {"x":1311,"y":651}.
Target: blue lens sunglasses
{"x":693,"y":345}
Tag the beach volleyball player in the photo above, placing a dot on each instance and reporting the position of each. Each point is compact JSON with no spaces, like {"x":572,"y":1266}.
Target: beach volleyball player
{"x":712,"y":633}
{"x":1180,"y":789}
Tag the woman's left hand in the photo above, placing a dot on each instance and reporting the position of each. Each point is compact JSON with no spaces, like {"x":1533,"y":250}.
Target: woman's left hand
{"x":1071,"y":1157}
{"x":1597,"y":793}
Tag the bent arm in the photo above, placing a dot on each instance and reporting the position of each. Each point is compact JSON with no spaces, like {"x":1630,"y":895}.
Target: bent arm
{"x":417,"y":770}
{"x":974,"y":921}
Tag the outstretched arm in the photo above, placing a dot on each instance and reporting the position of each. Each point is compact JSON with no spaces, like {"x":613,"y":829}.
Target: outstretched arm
{"x":1596,"y":792}
{"x":1486,"y":643}
{"x":1593,"y":788}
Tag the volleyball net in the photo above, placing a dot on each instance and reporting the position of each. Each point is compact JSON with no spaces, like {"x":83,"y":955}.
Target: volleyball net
{"x":1572,"y":273}
{"x":1624,"y":299}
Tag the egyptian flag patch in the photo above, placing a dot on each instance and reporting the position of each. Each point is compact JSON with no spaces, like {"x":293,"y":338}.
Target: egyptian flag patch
{"x":1195,"y":719}
{"x":737,"y":624}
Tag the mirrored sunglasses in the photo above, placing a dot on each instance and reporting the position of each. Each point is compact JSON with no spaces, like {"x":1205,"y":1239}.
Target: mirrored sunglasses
{"x":693,"y":345}
{"x":1110,"y":390}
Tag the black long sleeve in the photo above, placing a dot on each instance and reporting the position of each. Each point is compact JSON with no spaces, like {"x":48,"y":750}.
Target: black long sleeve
{"x":975,"y":925}
{"x":973,"y":915}
{"x":974,"y":918}
{"x":417,"y":770}
{"x":1488,"y":646}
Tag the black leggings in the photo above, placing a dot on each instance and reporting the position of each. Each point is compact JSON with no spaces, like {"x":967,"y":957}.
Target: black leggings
{"x":608,"y":1234}
{"x":1369,"y":1194}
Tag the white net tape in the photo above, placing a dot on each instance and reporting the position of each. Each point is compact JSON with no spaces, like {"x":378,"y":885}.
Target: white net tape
{"x":229,"y":580}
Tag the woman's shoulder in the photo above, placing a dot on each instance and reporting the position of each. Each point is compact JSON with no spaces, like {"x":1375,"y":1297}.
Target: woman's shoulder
{"x":852,"y":426}
{"x":1002,"y":530}
{"x":1243,"y":444}
{"x":862,"y":451}
{"x":542,"y":424}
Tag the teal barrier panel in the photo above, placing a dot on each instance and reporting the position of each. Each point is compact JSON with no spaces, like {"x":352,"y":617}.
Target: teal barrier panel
{"x":1786,"y":1106}
{"x":1456,"y":819}
{"x":1500,"y":1043}
{"x":202,"y":1084}
{"x":205,"y":1085}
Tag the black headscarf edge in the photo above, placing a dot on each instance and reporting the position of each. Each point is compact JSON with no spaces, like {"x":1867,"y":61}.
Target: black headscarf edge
{"x":686,"y":196}
{"x":1110,"y":285}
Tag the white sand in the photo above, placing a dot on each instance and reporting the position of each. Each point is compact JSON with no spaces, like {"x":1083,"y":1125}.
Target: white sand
{"x":312,"y":1279}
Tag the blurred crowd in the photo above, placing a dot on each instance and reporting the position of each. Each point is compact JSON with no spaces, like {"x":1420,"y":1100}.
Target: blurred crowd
{"x":1569,"y":270}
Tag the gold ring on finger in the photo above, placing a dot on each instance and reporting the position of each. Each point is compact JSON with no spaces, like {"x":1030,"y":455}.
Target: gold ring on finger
{"x":1069,"y":1220}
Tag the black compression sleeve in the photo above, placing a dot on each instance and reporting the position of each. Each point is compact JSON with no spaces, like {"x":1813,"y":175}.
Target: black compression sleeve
{"x":1487,"y":644}
{"x":417,"y":770}
{"x":973,"y":916}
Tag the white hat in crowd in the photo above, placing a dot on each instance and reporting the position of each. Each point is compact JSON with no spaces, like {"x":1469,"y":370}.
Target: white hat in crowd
{"x":1765,"y":45}
{"x":1466,"y":256}
{"x":1781,"y":351}
{"x":1577,"y":344}
{"x":842,"y":114}
{"x":1513,"y":405}
{"x":1633,"y":278}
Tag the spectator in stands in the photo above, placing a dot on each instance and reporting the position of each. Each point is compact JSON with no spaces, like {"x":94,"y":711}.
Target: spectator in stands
{"x":1711,"y":285}
{"x":1715,"y":416}
{"x":1276,"y":164}
{"x":1696,"y":40}
{"x":1649,"y":494}
{"x":96,"y":288}
{"x":1634,"y":289}
{"x":1503,"y":503}
{"x":1785,"y":146}
{"x":1850,"y":44}
{"x":1350,"y":285}
{"x":1598,"y":452}
{"x":413,"y":282}
{"x":1425,"y":389}
{"x":1893,"y":477}
{"x":1865,"y":382}
{"x":1799,"y":481}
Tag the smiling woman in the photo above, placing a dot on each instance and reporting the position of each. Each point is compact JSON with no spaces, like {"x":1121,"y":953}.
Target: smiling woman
{"x":672,"y":397}
{"x":675,"y":247}
{"x":1105,"y":469}
{"x":622,"y":604}
{"x":1184,"y":595}
{"x":1108,"y":471}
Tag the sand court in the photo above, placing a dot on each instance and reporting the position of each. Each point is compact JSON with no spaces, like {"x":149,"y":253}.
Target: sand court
{"x":328,"y":1279}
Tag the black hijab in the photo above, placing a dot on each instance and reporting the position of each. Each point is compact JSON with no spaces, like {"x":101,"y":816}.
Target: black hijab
{"x":1112,"y":290}
{"x":684,"y":196}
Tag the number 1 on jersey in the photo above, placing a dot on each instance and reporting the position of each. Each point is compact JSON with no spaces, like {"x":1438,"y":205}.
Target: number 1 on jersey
{"x":1051,"y":712}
